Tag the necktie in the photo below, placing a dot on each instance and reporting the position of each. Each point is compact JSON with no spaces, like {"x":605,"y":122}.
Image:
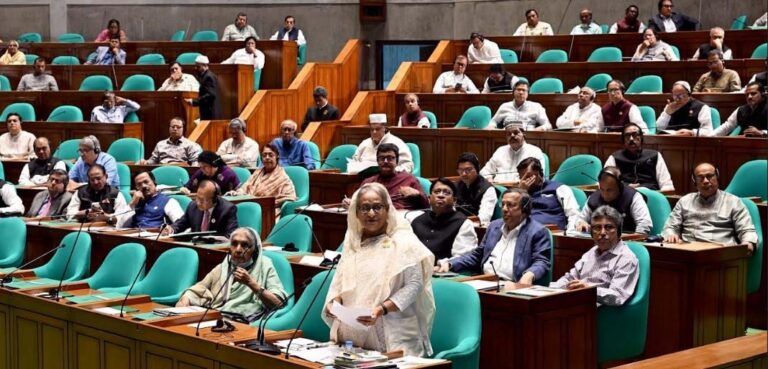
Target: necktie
{"x":46,"y":208}
{"x":206,"y":221}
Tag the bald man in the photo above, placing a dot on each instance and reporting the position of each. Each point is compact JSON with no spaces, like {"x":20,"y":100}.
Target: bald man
{"x":209,"y":212}
{"x":293,"y":151}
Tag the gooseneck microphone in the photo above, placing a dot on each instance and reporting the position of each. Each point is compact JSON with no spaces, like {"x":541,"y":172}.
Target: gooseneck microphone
{"x":53,"y":293}
{"x":143,"y":266}
{"x":8,"y":278}
{"x":498,"y":279}
{"x":231,"y":271}
{"x":260,"y":345}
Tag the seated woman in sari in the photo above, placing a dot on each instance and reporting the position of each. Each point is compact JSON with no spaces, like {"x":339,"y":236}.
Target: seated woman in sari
{"x":212,"y":168}
{"x":385,"y":268}
{"x":269,"y":180}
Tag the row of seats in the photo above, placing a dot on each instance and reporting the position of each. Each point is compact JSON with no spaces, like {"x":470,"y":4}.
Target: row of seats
{"x":35,"y":37}
{"x":63,"y":113}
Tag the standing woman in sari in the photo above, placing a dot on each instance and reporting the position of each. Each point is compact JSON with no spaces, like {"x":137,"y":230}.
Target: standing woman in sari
{"x":385,"y":268}
{"x":269,"y":180}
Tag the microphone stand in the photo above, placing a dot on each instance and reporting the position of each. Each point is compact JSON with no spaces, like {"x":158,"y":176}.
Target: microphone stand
{"x":208,"y":308}
{"x":498,"y":280}
{"x":8,"y":278}
{"x":53,"y":293}
{"x":260,"y":345}
{"x":143,"y":266}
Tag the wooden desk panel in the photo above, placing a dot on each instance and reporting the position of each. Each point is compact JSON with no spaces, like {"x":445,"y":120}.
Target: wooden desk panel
{"x":331,"y":187}
{"x":329,"y":226}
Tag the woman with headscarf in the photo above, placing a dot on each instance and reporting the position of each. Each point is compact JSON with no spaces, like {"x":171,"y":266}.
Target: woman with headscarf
{"x":111,"y":32}
{"x":213,"y":168}
{"x":253,"y":288}
{"x":269,"y":180}
{"x":384,"y":267}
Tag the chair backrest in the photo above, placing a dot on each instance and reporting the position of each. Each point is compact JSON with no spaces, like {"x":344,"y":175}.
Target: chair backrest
{"x":183,"y":200}
{"x":457,"y":323}
{"x":675,"y":51}
{"x":30,"y":37}
{"x":242,"y":174}
{"x":2,"y":171}
{"x":151,"y":59}
{"x":739,"y":23}
{"x":301,"y":59}
{"x":205,"y":35}
{"x":14,"y":233}
{"x":599,"y":82}
{"x":755,"y":262}
{"x":138,"y":82}
{"x":79,"y":265}
{"x":426,"y":185}
{"x":658,"y":206}
{"x":29,"y":59}
{"x":120,"y":267}
{"x":508,"y":56}
{"x":71,"y":38}
{"x":432,"y":118}
{"x":750,"y":180}
{"x":547,"y":86}
{"x":293,"y":228}
{"x":553,"y":56}
{"x":187,"y":58}
{"x":715,"y":116}
{"x":605,"y":28}
{"x":647,"y":84}
{"x":26,"y":110}
{"x":67,"y":150}
{"x":605,"y":54}
{"x":579,"y":195}
{"x":589,"y":167}
{"x":285,"y":273}
{"x":178,"y":35}
{"x":65,"y":60}
{"x":337,"y":158}
{"x":124,"y":172}
{"x":314,"y":150}
{"x":171,"y":176}
{"x":760,"y":52}
{"x":66,"y":113}
{"x":256,"y":79}
{"x":96,"y":83}
{"x":545,"y":164}
{"x":736,"y":131}
{"x":5,"y":83}
{"x":416,"y":155}
{"x":173,"y":272}
{"x":313,"y":327}
{"x":127,"y":149}
{"x":249,"y":215}
{"x":476,"y":117}
{"x":300,"y":178}
{"x":649,"y":117}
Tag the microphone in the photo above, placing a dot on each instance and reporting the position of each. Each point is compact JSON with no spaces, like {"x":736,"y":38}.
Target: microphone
{"x":571,"y":168}
{"x":53,"y":293}
{"x":306,"y":312}
{"x":8,"y":278}
{"x":231,"y":271}
{"x":322,"y":249}
{"x":589,"y":176}
{"x":498,"y":279}
{"x":259,"y":345}
{"x":289,"y":222}
{"x":143,"y":266}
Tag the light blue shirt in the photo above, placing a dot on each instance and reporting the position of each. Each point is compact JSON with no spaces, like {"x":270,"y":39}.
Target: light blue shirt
{"x":591,"y":29}
{"x":117,"y":114}
{"x":79,"y":172}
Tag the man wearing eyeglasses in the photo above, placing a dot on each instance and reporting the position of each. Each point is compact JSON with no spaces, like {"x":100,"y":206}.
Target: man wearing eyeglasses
{"x":685,"y":115}
{"x":640,"y":167}
{"x":710,"y":215}
{"x":668,"y":21}
{"x":455,"y":81}
{"x":90,"y":154}
{"x":716,"y":39}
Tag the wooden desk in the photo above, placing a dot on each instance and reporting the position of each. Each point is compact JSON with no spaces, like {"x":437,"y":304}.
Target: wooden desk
{"x":330,"y":227}
{"x":328,"y":187}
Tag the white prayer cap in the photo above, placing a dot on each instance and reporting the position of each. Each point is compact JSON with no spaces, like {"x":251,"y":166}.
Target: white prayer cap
{"x":377,"y":119}
{"x":514,"y":124}
{"x":202,"y":59}
{"x":684,"y":84}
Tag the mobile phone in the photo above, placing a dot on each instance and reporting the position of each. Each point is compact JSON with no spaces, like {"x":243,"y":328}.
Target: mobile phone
{"x":457,"y":87}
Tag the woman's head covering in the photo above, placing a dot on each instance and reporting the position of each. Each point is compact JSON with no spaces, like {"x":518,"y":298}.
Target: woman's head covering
{"x":210,"y":158}
{"x":255,"y":240}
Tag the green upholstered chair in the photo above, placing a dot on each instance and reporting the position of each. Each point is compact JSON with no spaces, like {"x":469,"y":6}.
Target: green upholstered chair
{"x":124,"y":172}
{"x":2,"y":171}
{"x":645,"y":84}
{"x":547,"y":86}
{"x":497,"y":209}
{"x":298,"y":232}
{"x":585,"y":169}
{"x":755,"y":262}
{"x":579,"y":195}
{"x":171,"y":176}
{"x":739,"y":23}
{"x":132,"y":117}
{"x":26,"y":110}
{"x":605,"y":55}
{"x":622,"y":330}
{"x":29,"y":59}
{"x":5,"y":83}
{"x":183,"y":200}
{"x":315,"y":152}
{"x":553,"y":56}
{"x":256,"y":79}
{"x":71,"y":38}
{"x":751,"y":179}
{"x":313,"y":327}
{"x":426,"y":185}
{"x":205,"y":35}
{"x":187,"y":58}
{"x":285,"y":273}
{"x":178,"y":35}
{"x":547,"y":278}
{"x":760,"y":52}
{"x":337,"y":158}
{"x":456,"y":329}
{"x":120,"y":267}
{"x":649,"y":117}
{"x":476,"y":117}
{"x":67,"y":150}
{"x":127,"y":149}
{"x":249,"y":215}
{"x":675,"y":51}
{"x":605,"y":28}
{"x":508,"y":56}
{"x":30,"y":37}
{"x":545,"y":164}
{"x":736,"y":131}
{"x":599,"y":82}
{"x":658,"y":206}
{"x":14,"y":233}
{"x":138,"y":82}
{"x":301,"y":59}
{"x":65,"y":60}
{"x":715,"y":116}
{"x":300,"y":178}
{"x":242,"y":174}
{"x":79,"y":265}
{"x":96,"y":83}
{"x":432,"y":118}
{"x":173,"y":272}
{"x":416,"y":155}
{"x":151,"y":59}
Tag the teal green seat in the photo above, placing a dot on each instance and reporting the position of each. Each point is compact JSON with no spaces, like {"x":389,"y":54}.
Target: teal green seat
{"x":313,"y":327}
{"x":65,"y":60}
{"x":256,"y":79}
{"x":553,"y":56}
{"x":751,"y":179}
{"x":205,"y":35}
{"x":249,"y":215}
{"x":301,"y":59}
{"x":675,"y":51}
{"x":416,"y":155}
{"x":760,"y":52}
{"x":457,"y":326}
{"x":426,"y":185}
{"x":545,"y":164}
{"x":755,"y":262}
{"x":589,"y":167}
{"x":497,"y":209}
{"x":120,"y":267}
{"x":30,"y":37}
{"x":124,"y":172}
{"x":476,"y":117}
{"x":622,"y":330}
{"x":25,"y":110}
{"x":132,"y":117}
{"x":5,"y":83}
{"x":605,"y":28}
{"x":2,"y":171}
{"x":66,"y":113}
{"x":187,"y":58}
{"x":739,"y":23}
{"x":285,"y":273}
{"x":337,"y":158}
{"x":71,"y":38}
{"x":298,"y":232}
{"x":523,"y":79}
{"x":151,"y":59}
{"x":605,"y":55}
{"x":300,"y":178}
{"x":183,"y":200}
{"x":127,"y":149}
{"x":79,"y":265}
{"x":649,"y":117}
{"x":29,"y":59}
{"x":579,"y":195}
{"x":508,"y":56}
{"x":715,"y":116}
{"x":432,"y":118}
{"x":314,"y":151}
{"x":173,"y":272}
{"x":178,"y":35}
{"x":547,"y":86}
{"x":67,"y":150}
{"x":599,"y":82}
{"x":736,"y":131}
{"x":96,"y":83}
{"x":14,"y":233}
{"x":645,"y":84}
{"x":658,"y":206}
{"x":91,"y":56}
{"x":170,"y":176}
{"x":242,"y":174}
{"x":138,"y":82}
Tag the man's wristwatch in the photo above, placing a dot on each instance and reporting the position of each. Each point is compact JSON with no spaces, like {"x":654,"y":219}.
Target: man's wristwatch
{"x":112,"y":220}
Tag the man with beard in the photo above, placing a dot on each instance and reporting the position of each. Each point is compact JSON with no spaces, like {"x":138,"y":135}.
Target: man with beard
{"x":35,"y":173}
{"x":502,"y":167}
{"x":208,"y":96}
{"x":98,"y":201}
{"x":640,"y":167}
{"x":552,"y":202}
{"x":752,"y":117}
{"x":151,"y":208}
{"x":38,"y":80}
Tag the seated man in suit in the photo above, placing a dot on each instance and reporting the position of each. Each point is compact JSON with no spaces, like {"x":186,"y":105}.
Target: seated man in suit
{"x":208,"y":213}
{"x":53,"y":201}
{"x":640,"y":167}
{"x":524,"y":241}
{"x":98,"y":201}
{"x":35,"y":173}
{"x":108,"y":55}
{"x":551,"y":202}
{"x":151,"y":208}
{"x":322,"y":110}
{"x":668,"y":21}
{"x":629,"y":203}
{"x":610,"y":264}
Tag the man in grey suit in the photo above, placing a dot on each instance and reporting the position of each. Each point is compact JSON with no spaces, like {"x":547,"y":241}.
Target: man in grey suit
{"x":53,"y":201}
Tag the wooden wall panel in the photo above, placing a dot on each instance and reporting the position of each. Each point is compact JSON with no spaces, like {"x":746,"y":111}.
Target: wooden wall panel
{"x":101,"y":350}
{"x":41,"y":341}
{"x":156,"y":357}
{"x":5,"y":339}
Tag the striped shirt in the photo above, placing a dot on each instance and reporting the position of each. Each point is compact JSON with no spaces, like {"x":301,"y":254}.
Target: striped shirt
{"x":167,"y":151}
{"x":721,"y":219}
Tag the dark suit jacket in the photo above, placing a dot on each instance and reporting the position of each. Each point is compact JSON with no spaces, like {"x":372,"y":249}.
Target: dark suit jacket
{"x":208,"y":99}
{"x":223,"y":218}
{"x":532,"y":250}
{"x":682,"y":22}
{"x":313,"y":114}
{"x":59,"y":206}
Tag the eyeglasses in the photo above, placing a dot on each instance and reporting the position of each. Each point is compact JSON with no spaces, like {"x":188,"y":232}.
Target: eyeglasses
{"x":629,"y":135}
{"x":668,"y":6}
{"x":465,"y":170}
{"x":377,"y":208}
{"x":386,"y":158}
{"x":83,"y":151}
{"x":708,"y":177}
{"x":612,"y":90}
{"x":599,"y":228}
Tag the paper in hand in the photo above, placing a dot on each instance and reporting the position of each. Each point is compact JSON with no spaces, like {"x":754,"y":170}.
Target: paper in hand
{"x":349,"y":316}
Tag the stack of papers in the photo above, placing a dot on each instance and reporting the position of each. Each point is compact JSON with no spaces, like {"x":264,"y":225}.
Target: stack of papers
{"x":481,"y":285}
{"x":535,"y":291}
{"x":179,"y":310}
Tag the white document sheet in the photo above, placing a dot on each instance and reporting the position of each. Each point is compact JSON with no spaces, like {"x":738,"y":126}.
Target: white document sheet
{"x":349,"y":316}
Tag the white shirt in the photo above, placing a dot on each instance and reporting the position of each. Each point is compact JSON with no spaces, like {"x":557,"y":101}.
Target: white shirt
{"x":640,"y":213}
{"x":422,"y":123}
{"x":705,"y":119}
{"x":366,"y":151}
{"x":488,"y":54}
{"x":531,"y":114}
{"x":502,"y":167}
{"x":663,"y":178}
{"x":487,"y":206}
{"x":299,"y":39}
{"x":245,"y":154}
{"x":240,"y":56}
{"x":730,"y":124}
{"x":569,"y":204}
{"x":19,"y":146}
{"x":187,"y":82}
{"x":172,"y":210}
{"x":591,"y":117}
{"x":10,"y":198}
{"x":448,"y":80}
{"x":615,"y":28}
{"x":541,"y":29}
{"x":503,"y":254}
{"x":37,"y":180}
{"x":669,"y":24}
{"x":121,"y":206}
{"x":587,"y":29}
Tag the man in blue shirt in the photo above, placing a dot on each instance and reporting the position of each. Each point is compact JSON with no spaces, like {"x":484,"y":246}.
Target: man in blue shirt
{"x":90,"y":154}
{"x":292,"y":150}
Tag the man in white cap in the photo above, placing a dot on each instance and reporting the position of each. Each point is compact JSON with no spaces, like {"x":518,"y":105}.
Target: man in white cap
{"x":685,"y":115}
{"x":366,"y":152}
{"x":208,"y":97}
{"x":583,"y":115}
{"x":503,"y":164}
